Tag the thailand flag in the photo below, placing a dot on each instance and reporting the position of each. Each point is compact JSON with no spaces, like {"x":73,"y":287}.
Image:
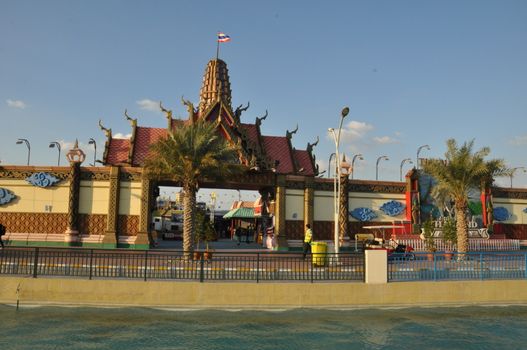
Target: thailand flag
{"x":222,"y":38}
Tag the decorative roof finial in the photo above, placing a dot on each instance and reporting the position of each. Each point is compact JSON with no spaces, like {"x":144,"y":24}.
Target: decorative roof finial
{"x":240,"y":109}
{"x":289,"y":134}
{"x":258,"y":121}
{"x":133,"y":122}
{"x":311,"y":145}
{"x":107,"y":132}
{"x":190,"y":108}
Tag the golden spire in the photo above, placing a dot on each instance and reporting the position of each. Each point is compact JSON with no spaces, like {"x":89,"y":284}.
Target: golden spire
{"x":216,"y":86}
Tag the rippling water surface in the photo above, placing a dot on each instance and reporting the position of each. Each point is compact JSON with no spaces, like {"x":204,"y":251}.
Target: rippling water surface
{"x":407,"y":328}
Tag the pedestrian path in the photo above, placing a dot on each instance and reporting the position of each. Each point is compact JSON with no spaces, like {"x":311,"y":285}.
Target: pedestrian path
{"x":221,"y":244}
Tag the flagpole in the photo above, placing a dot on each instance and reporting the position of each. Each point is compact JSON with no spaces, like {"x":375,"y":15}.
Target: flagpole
{"x":217,"y":49}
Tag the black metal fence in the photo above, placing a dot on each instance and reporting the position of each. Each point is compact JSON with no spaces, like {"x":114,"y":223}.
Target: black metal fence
{"x":175,"y":265}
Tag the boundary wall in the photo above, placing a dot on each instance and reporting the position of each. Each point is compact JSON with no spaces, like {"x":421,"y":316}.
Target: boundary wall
{"x":126,"y":293}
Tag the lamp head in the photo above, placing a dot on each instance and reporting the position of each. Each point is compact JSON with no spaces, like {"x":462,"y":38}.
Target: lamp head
{"x":345,"y":112}
{"x":91,"y":141}
{"x":18,"y":142}
{"x":51,"y":145}
{"x":331,"y":130}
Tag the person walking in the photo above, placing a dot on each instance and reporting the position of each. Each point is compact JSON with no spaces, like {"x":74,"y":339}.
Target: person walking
{"x":308,"y":237}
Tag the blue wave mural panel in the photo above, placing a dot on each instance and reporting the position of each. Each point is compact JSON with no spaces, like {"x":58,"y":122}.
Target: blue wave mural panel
{"x":363,"y":214}
{"x":42,"y":179}
{"x":393,"y":208}
{"x":501,"y":214}
{"x":6,"y":196}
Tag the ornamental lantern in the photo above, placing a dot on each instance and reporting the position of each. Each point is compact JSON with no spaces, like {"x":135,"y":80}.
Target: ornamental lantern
{"x":76,"y":155}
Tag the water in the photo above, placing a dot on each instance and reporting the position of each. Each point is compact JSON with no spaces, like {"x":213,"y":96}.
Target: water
{"x":408,"y":328}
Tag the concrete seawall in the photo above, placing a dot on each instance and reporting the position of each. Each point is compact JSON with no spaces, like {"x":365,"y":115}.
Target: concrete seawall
{"x":63,"y":291}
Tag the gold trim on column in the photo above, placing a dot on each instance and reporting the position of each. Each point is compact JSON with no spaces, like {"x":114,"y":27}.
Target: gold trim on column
{"x":144,"y":216}
{"x":309,"y":201}
{"x":111,"y":234}
{"x":280,"y":212}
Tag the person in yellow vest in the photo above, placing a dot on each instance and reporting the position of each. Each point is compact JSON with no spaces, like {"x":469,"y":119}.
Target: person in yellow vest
{"x":308,"y":237}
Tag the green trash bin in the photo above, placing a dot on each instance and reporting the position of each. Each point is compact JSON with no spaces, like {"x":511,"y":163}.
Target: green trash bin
{"x":319,"y":253}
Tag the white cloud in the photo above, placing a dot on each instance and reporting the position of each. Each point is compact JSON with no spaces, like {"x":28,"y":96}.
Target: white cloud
{"x":16,"y":104}
{"x":384,"y":140}
{"x":519,"y":140}
{"x":121,"y":136}
{"x":356,"y":129}
{"x":149,"y":105}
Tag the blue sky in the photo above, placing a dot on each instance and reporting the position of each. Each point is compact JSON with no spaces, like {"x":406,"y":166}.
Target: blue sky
{"x":412,"y":72}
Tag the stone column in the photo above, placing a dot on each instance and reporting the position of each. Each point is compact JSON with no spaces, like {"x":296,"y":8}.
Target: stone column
{"x":309,"y":201}
{"x":71,"y":236}
{"x":343,"y":208}
{"x":111,"y":237}
{"x":281,"y":238}
{"x":142,"y":240}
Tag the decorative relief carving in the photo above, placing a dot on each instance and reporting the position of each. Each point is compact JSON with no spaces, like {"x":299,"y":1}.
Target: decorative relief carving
{"x":363,"y":187}
{"x":34,"y":222}
{"x":91,"y":224}
{"x":363,"y":214}
{"x":499,"y":192}
{"x":42,"y":179}
{"x":23,"y":175}
{"x":128,"y":225}
{"x":393,"y":208}
{"x":129,"y":176}
{"x":294,"y":229}
{"x":501,"y":214}
{"x":295,"y":185}
{"x":87,"y":175}
{"x":6,"y":196}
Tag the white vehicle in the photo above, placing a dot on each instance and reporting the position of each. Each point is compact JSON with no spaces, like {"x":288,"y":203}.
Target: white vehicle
{"x":166,"y":224}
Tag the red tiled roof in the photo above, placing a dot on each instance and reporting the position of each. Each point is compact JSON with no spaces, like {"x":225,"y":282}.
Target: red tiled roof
{"x":252,"y":132}
{"x":144,"y":137}
{"x":277,"y":148}
{"x":118,"y":151}
{"x":303,"y":160}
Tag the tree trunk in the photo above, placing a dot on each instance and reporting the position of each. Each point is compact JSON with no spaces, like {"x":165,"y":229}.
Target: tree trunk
{"x":461,"y":227}
{"x":189,"y":210}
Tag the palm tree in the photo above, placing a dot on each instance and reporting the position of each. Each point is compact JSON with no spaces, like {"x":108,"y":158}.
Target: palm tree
{"x":463,"y":170}
{"x":188,"y":155}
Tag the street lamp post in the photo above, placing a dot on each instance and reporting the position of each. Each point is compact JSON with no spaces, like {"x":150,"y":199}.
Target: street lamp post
{"x":401,"y":167}
{"x":329,"y":164}
{"x":92,"y":142}
{"x":360,"y":157}
{"x":57,"y":145}
{"x":419,"y":151}
{"x":513,"y":170}
{"x":336,"y":191}
{"x":377,"y":166}
{"x":21,"y":141}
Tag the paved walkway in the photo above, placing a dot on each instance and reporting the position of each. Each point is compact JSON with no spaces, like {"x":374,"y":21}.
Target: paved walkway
{"x":225,"y":245}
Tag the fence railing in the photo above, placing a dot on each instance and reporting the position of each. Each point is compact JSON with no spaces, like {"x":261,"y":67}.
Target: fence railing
{"x":175,"y":265}
{"x":457,"y":266}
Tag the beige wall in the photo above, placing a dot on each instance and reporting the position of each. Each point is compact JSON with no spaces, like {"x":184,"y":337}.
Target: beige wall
{"x":130,"y":198}
{"x":68,"y":291}
{"x":515,"y":207}
{"x":375,"y":201}
{"x":324,"y":204}
{"x":324,"y":207}
{"x":94,"y":197}
{"x":294,"y":204}
{"x":34,"y":199}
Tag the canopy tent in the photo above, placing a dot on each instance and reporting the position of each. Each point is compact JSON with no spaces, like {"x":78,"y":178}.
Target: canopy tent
{"x":240,"y":213}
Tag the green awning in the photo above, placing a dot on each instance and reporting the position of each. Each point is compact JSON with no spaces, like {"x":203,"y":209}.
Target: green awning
{"x":240,"y":213}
